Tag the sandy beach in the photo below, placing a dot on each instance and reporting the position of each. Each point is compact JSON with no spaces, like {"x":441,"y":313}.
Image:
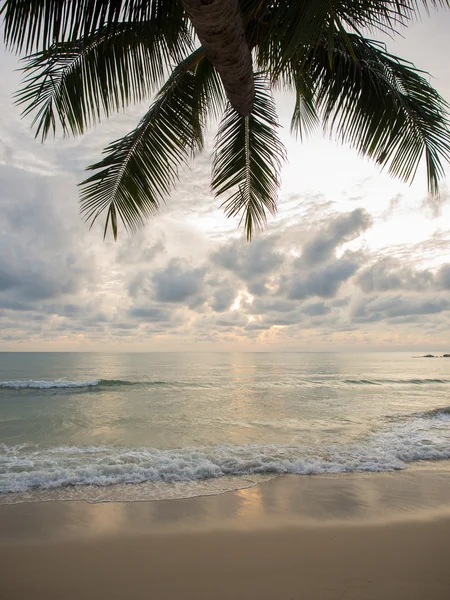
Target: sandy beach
{"x":370,"y":536}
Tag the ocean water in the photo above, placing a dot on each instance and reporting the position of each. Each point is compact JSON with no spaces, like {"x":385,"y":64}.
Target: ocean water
{"x":162,"y":425}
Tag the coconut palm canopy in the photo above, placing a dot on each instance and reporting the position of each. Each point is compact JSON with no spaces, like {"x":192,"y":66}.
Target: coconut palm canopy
{"x":210,"y":60}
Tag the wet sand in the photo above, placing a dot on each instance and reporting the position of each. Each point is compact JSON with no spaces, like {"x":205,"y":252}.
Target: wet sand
{"x":358,"y":537}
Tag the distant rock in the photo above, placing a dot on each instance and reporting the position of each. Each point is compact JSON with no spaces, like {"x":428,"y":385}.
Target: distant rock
{"x":429,"y":356}
{"x":446,"y":356}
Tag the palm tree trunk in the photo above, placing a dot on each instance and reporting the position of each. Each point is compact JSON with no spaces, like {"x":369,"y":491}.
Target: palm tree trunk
{"x":220,"y":29}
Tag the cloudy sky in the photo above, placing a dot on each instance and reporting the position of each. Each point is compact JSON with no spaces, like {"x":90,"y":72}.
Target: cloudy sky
{"x":353,"y":260}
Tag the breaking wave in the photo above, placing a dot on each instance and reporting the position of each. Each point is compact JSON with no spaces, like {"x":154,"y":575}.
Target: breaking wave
{"x":61,"y":383}
{"x":100,"y":384}
{"x":395,"y":381}
{"x":420,"y":437}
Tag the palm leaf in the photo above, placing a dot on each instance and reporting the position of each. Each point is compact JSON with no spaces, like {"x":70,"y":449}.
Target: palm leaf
{"x":73,"y":83}
{"x":382,"y":106}
{"x":31,"y":25}
{"x":305,"y":117}
{"x":248,"y":154}
{"x":139,"y":170}
{"x":281,"y":29}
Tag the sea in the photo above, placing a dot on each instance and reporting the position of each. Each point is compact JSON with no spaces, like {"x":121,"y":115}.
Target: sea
{"x":144,"y":426}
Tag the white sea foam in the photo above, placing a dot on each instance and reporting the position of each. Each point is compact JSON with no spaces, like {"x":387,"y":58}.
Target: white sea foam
{"x":153,"y":490}
{"x":417,"y":438}
{"x":43,"y":385}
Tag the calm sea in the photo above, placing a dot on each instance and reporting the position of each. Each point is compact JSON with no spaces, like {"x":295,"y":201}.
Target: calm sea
{"x":162,"y":425}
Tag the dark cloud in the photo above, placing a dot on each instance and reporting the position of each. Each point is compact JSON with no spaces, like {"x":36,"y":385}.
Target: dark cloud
{"x":223,"y":298}
{"x":253,"y":261}
{"x":41,"y":257}
{"x":317,"y":309}
{"x":385,"y":307}
{"x":150,"y":314}
{"x":257,"y":288}
{"x":7,"y":279}
{"x":344,"y":228}
{"x":233,"y":319}
{"x":177,"y":282}
{"x":443,"y":277}
{"x":324,"y":282}
{"x":270,"y":304}
{"x":389,"y":274}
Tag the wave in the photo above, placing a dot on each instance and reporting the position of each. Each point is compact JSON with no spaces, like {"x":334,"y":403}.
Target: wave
{"x":109,"y":383}
{"x":61,"y":383}
{"x":362,"y":382}
{"x":44,"y":385}
{"x":395,"y":381}
{"x":435,"y":412}
{"x":412,"y":439}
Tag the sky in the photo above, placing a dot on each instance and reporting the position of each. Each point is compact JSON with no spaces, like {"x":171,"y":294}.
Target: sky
{"x":353,"y":261}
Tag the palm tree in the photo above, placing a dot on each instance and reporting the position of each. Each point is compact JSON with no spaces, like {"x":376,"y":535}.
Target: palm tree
{"x":220,"y":59}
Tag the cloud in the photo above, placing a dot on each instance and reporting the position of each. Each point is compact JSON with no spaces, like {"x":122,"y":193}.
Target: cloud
{"x":324,"y":282}
{"x":317,"y":309}
{"x":41,"y":256}
{"x":345,"y":228}
{"x":139,"y":249}
{"x":378,"y":308}
{"x":434,"y":204}
{"x":153,"y":315}
{"x":222,"y":299}
{"x":250,"y":262}
{"x":443,"y":277}
{"x":389,"y":274}
{"x":177,"y":282}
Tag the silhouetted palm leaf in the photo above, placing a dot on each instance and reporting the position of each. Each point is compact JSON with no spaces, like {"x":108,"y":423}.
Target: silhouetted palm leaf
{"x":73,"y":83}
{"x":139,"y":170}
{"x":381,"y":105}
{"x":39,"y":24}
{"x":290,"y":25}
{"x":248,"y":155}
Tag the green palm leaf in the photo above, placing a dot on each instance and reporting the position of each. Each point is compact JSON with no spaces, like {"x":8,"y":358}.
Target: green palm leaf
{"x":381,"y":105}
{"x":248,"y":154}
{"x":73,"y":83}
{"x":140,"y":170}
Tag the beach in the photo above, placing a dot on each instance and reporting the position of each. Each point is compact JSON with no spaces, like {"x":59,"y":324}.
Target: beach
{"x":352,"y":536}
{"x":224,"y":476}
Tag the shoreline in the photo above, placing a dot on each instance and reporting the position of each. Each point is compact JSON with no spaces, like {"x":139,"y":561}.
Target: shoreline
{"x":156,"y":491}
{"x":371,"y":536}
{"x":430,"y":473}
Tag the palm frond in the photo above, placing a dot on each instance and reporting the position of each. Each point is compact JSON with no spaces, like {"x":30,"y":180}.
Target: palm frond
{"x":305,"y":118}
{"x":281,"y":29}
{"x":210,"y":93}
{"x":248,"y":154}
{"x":382,"y":106}
{"x":73,"y":83}
{"x":31,"y":25}
{"x":139,"y":170}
